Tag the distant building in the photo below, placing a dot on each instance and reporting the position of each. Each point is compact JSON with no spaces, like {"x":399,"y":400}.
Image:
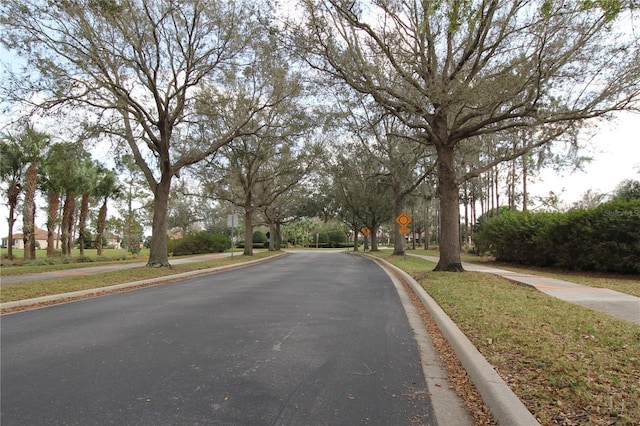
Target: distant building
{"x":41,"y":239}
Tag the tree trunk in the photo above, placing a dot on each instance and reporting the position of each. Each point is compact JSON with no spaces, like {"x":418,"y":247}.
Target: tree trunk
{"x":29,"y":212}
{"x":356,"y":232}
{"x":448,"y":194}
{"x":67,"y":222}
{"x":248,"y":231}
{"x":158,"y":255}
{"x":277,"y":241}
{"x":12,"y":196}
{"x":525,"y":198}
{"x":102,"y":218}
{"x":53,"y":206}
{"x":374,"y":237}
{"x":84,"y":212}
{"x":427,"y":225}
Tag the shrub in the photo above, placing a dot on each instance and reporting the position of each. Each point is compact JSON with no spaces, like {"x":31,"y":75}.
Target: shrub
{"x":337,"y":238}
{"x":605,"y":238}
{"x":199,"y":243}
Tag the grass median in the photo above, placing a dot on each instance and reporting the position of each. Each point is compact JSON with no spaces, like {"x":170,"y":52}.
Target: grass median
{"x":568,"y":364}
{"x":28,"y":290}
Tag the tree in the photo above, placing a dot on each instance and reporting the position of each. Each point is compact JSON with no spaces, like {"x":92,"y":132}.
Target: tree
{"x":136,"y":198}
{"x":12,"y":164}
{"x":628,"y":190}
{"x":57,"y":174}
{"x":106,"y":188}
{"x":356,"y":195}
{"x":32,"y":143}
{"x":138,"y":69}
{"x":74,"y":183}
{"x":184,"y":212}
{"x":472,"y":72}
{"x":401,"y":162}
{"x":87,"y":178}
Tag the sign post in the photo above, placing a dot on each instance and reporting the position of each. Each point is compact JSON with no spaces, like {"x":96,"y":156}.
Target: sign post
{"x":403,"y":220}
{"x":365,"y":231}
{"x":232,"y":223}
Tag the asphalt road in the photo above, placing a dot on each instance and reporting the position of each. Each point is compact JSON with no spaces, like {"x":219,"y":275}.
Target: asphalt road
{"x":307,"y":339}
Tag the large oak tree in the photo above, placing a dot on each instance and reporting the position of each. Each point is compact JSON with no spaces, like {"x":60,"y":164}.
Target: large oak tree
{"x":467,"y":72}
{"x":135,"y":69}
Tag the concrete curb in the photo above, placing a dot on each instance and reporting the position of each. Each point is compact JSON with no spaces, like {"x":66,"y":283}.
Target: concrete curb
{"x":81,"y":294}
{"x":505,"y":406}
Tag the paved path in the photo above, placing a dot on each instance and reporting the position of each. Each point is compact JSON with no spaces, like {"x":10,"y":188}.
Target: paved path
{"x":620,"y":305}
{"x":305,"y":339}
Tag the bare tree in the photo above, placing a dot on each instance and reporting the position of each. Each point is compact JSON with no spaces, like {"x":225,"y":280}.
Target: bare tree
{"x":136,"y":69}
{"x":468,"y":72}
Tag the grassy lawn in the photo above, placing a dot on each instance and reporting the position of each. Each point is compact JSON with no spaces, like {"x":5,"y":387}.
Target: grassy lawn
{"x":629,"y":284}
{"x":32,"y":289}
{"x":568,"y":364}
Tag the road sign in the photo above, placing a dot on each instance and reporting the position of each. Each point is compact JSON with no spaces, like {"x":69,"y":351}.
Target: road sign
{"x":232,"y":221}
{"x":404,"y":230}
{"x":365,"y":231}
{"x":403,"y":219}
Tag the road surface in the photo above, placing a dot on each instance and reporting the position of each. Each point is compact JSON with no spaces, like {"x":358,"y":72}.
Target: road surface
{"x":310,"y":338}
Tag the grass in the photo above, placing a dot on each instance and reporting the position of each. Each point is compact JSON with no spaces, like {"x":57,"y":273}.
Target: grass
{"x":629,"y":284}
{"x":33,"y":289}
{"x":568,"y":364}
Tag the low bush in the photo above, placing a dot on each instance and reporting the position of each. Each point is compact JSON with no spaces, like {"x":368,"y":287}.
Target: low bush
{"x":605,"y":238}
{"x":199,"y":243}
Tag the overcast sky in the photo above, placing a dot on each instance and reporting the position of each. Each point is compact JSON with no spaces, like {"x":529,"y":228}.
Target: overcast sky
{"x":616,"y":157}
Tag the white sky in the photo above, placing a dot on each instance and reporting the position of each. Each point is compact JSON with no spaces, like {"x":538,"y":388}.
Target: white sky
{"x":616,"y":157}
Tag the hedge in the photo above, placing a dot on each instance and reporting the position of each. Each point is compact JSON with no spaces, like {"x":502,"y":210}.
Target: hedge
{"x":605,"y":238}
{"x":199,"y":243}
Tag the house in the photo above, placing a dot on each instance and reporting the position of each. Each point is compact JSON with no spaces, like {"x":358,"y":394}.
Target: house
{"x":41,"y":239}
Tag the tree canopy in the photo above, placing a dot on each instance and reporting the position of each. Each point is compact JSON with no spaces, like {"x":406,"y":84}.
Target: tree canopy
{"x":460,"y":73}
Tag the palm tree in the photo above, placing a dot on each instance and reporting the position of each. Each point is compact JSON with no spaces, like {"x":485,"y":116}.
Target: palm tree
{"x":87,"y":175}
{"x":106,"y":188}
{"x":58,"y":170}
{"x":32,"y":143}
{"x":12,"y":164}
{"x":73,"y":184}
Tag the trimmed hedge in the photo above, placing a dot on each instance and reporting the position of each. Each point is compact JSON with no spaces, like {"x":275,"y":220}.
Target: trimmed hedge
{"x":200,"y":243}
{"x":605,"y":238}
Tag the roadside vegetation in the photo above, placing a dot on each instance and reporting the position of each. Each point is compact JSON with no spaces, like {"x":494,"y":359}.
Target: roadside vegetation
{"x":28,"y":290}
{"x":629,"y":284}
{"x":604,"y":238}
{"x":568,"y":364}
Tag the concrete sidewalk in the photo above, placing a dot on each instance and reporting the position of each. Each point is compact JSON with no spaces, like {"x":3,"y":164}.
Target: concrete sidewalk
{"x":90,"y":270}
{"x":620,"y":305}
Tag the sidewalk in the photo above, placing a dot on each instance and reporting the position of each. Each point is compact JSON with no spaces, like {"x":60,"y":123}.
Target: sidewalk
{"x":90,"y":270}
{"x":620,"y":305}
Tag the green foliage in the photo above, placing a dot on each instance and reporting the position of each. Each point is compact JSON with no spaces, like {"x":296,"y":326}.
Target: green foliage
{"x":605,"y":238}
{"x":199,"y":243}
{"x":259,"y":237}
{"x":628,"y":190}
{"x":337,"y":238}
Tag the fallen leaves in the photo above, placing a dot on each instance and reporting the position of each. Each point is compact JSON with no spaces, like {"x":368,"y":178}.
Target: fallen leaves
{"x":457,"y":375}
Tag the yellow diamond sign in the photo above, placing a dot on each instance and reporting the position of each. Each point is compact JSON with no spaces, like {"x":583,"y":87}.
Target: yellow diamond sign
{"x":365,"y":231}
{"x":403,"y":219}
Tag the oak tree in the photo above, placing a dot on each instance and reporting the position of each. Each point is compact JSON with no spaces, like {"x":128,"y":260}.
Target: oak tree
{"x":458,"y":72}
